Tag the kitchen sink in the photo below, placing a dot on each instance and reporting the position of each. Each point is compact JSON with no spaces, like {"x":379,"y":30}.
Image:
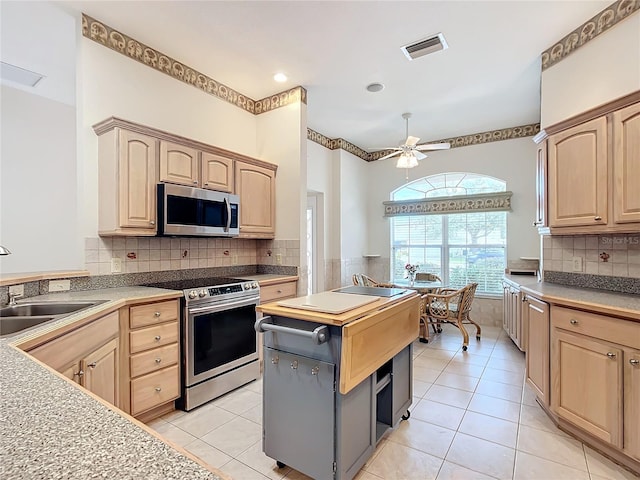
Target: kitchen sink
{"x":15,"y":318}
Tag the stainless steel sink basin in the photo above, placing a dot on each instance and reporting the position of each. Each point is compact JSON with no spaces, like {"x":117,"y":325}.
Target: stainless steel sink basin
{"x":16,"y":318}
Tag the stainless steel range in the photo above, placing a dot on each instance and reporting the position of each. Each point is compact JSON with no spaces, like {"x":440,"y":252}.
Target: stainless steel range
{"x":218,"y":340}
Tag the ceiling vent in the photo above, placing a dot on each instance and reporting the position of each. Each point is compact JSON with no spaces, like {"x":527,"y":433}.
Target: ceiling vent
{"x":425,"y":46}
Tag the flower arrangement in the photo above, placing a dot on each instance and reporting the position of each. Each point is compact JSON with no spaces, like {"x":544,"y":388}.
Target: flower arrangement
{"x":410,"y":270}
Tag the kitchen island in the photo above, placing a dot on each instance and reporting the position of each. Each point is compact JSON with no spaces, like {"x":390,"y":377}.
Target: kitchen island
{"x":337,"y":375}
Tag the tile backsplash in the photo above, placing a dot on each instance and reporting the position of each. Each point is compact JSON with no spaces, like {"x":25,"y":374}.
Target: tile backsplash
{"x":613,"y":255}
{"x":139,"y":254}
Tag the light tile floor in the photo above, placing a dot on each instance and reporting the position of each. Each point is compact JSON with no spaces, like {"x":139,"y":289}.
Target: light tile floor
{"x":472,"y":418}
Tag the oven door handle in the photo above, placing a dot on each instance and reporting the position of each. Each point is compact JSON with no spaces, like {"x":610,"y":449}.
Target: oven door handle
{"x":319,"y":335}
{"x":222,"y":306}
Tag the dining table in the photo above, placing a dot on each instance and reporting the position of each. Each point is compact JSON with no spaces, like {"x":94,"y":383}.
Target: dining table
{"x":421,"y":286}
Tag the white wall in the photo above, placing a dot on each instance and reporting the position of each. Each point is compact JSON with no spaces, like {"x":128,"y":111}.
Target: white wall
{"x":605,"y":68}
{"x":321,"y":163}
{"x":354,"y":196}
{"x":38,"y":220}
{"x":509,"y":160}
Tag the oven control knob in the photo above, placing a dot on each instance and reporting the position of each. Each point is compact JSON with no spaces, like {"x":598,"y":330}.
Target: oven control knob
{"x":193,"y":294}
{"x":202,"y":293}
{"x":247,"y":286}
{"x":254,"y":285}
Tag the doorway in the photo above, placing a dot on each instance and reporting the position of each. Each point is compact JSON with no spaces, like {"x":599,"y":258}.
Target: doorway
{"x":315,"y":242}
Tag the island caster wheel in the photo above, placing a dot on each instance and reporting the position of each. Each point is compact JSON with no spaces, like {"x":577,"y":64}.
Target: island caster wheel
{"x":406,"y":417}
{"x":464,"y":348}
{"x":439,"y":330}
{"x":280,"y":464}
{"x":424,"y":340}
{"x":477,"y":337}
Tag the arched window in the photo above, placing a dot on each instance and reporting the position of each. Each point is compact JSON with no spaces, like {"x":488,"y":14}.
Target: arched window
{"x":460,"y":247}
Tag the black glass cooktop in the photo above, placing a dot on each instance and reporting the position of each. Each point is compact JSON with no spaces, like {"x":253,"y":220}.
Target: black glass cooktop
{"x":194,"y":283}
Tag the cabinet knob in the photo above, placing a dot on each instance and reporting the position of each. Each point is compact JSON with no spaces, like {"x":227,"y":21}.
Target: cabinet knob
{"x":279,"y":291}
{"x":275,"y":360}
{"x":158,"y":360}
{"x":597,"y":218}
{"x":634,"y":361}
{"x":80,"y":373}
{"x":294,"y":365}
{"x":611,"y":355}
{"x":315,"y":370}
{"x":535,"y":224}
{"x":156,"y":314}
{"x":157,"y":338}
{"x":92,"y":365}
{"x":206,"y":183}
{"x":573,"y":321}
{"x":158,"y":389}
{"x":152,"y":222}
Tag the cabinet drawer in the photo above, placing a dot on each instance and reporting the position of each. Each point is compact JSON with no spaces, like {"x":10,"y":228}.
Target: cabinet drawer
{"x":153,"y":313}
{"x":152,"y":360}
{"x":154,"y":389}
{"x":615,"y":330}
{"x":278,"y":291}
{"x":152,"y":337}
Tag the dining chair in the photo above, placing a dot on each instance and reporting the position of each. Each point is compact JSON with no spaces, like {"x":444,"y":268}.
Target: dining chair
{"x":362,"y":280}
{"x":448,"y":306}
{"x":427,"y":277}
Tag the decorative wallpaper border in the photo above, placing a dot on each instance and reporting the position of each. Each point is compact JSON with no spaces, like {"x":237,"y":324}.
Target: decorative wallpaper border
{"x":483,"y":202}
{"x":121,"y":43}
{"x":589,"y":30}
{"x":462,"y":141}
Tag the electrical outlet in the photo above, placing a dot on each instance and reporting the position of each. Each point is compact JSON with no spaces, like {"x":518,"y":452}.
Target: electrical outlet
{"x":116,"y":265}
{"x":234,"y":259}
{"x":577,"y":264}
{"x":278,"y":259}
{"x":59,"y":285}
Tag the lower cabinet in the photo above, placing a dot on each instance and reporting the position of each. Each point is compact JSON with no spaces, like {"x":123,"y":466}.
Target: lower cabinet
{"x":88,"y":355}
{"x":536,"y":313}
{"x":512,"y":314}
{"x":595,"y":376}
{"x":153,"y":351}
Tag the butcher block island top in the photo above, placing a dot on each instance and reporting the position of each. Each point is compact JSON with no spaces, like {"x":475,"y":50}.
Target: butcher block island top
{"x":372,"y":332}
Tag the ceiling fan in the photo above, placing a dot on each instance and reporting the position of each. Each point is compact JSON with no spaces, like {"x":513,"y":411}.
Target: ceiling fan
{"x":410,"y":152}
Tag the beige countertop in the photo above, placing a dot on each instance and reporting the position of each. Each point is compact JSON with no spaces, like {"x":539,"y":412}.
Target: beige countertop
{"x":51,"y":428}
{"x":265,"y":279}
{"x":600,"y":301}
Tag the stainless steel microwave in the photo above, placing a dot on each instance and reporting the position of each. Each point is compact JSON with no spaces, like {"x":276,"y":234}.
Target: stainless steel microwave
{"x":191,"y":211}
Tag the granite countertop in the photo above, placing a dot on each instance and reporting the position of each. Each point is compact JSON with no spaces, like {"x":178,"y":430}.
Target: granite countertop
{"x":49,"y":428}
{"x":599,"y":301}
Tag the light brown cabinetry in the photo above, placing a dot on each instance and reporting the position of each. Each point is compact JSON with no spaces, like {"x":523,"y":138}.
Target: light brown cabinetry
{"x":179,"y":164}
{"x":536,"y":313}
{"x":256,"y":187}
{"x":626,"y":164}
{"x":152,"y":331}
{"x":541,"y":186}
{"x":127,"y":183}
{"x":88,"y":355}
{"x":593,"y":378}
{"x":512,"y":320}
{"x":216,"y":172}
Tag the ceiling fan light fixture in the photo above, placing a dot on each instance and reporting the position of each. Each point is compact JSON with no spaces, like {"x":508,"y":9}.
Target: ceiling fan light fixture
{"x":407,"y":161}
{"x":375,"y":87}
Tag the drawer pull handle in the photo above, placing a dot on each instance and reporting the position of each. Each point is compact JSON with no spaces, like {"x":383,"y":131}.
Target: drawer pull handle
{"x":573,"y":321}
{"x":278,"y":291}
{"x":152,"y":222}
{"x":294,"y":365}
{"x":597,"y":218}
{"x":92,"y":365}
{"x":158,"y":389}
{"x":275,"y":360}
{"x":634,"y":361}
{"x":315,"y":370}
{"x":611,"y":355}
{"x":156,"y":314}
{"x":158,"y":360}
{"x":157,"y":338}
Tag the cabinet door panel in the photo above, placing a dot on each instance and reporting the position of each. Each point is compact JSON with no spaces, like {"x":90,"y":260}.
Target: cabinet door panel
{"x":577,"y":163}
{"x":541,"y":185}
{"x":587,"y":381}
{"x":101,"y":372}
{"x":626,"y":165}
{"x":538,"y":348}
{"x":632,"y":402}
{"x":178,"y":164}
{"x":217,"y":172}
{"x":137,"y":180}
{"x":256,"y":188}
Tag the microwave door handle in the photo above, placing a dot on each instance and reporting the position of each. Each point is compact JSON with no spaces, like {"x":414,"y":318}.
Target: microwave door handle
{"x":228,"y":226}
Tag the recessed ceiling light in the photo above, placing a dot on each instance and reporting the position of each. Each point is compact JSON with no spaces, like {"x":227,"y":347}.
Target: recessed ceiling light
{"x":19,"y":75}
{"x":280,"y":77}
{"x":375,"y":87}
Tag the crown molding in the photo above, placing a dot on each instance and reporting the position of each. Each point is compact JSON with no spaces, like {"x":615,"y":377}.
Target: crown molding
{"x":589,"y":30}
{"x":138,"y":51}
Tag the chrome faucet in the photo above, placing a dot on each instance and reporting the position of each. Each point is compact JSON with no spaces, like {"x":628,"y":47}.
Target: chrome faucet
{"x":12,"y":298}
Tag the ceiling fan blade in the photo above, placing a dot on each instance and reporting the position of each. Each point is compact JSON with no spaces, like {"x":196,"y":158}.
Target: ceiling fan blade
{"x":411,"y":141}
{"x":419,"y":155}
{"x":390,"y":155}
{"x":434,"y":146}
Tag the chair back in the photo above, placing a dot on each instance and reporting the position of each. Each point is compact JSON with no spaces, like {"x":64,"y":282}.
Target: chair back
{"x":468,"y":294}
{"x":362,"y":280}
{"x":427,"y":277}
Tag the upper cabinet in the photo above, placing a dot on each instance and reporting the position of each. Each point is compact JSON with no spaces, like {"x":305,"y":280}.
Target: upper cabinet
{"x":133,"y":158}
{"x":591,"y":172}
{"x":626,"y":164}
{"x":256,"y":187}
{"x":127,"y":170}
